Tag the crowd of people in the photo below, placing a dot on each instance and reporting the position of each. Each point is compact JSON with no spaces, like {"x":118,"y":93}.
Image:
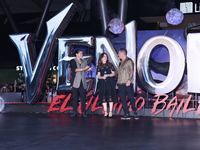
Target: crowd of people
{"x":49,"y":90}
{"x":11,"y":88}
{"x":107,"y":85}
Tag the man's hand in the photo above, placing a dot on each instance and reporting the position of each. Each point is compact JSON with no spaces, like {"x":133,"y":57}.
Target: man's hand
{"x":128,"y":83}
{"x":89,"y":69}
{"x":86,"y":68}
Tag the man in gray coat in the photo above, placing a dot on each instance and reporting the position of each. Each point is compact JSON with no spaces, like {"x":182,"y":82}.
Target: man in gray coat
{"x":78,"y":82}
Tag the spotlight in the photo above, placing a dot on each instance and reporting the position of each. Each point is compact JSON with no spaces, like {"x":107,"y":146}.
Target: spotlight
{"x":174,"y":16}
{"x":116,"y":26}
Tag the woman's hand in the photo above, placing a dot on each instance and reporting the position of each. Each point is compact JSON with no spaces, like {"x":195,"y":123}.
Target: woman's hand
{"x":105,"y":76}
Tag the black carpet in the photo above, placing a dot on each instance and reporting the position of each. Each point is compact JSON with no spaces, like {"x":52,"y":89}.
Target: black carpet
{"x":43,"y":131}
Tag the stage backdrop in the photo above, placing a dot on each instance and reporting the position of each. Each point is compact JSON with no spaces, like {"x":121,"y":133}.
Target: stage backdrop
{"x":166,"y":74}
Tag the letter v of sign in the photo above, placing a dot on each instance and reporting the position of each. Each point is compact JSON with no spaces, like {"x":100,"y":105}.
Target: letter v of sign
{"x":35,"y":74}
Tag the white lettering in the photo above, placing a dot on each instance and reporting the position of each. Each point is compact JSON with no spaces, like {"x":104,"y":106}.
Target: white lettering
{"x":176,"y":69}
{"x":197,"y":7}
{"x":193,"y":62}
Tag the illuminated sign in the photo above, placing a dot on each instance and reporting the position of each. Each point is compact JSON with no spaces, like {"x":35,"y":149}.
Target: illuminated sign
{"x":190,"y":7}
{"x":19,"y":68}
{"x":35,"y":73}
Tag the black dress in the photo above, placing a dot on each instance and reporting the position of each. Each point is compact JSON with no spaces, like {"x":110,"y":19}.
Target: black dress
{"x":106,"y":88}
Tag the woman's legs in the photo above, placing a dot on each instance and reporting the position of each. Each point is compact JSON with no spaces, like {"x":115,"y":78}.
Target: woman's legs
{"x":105,"y":109}
{"x":110,"y":109}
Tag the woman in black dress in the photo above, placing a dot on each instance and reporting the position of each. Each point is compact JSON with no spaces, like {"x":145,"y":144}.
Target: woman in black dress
{"x":106,"y":84}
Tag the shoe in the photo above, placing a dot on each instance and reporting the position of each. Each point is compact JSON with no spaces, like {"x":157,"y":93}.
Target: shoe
{"x":126,"y":117}
{"x":105,"y":115}
{"x":110,"y":114}
{"x":136,"y":116}
{"x":84,"y":115}
{"x":74,"y":114}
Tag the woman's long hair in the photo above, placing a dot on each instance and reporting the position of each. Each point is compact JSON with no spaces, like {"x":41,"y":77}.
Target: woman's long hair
{"x":100,"y":60}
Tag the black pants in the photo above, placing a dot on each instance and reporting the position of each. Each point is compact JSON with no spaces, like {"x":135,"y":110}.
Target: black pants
{"x":78,"y":91}
{"x":123,"y":90}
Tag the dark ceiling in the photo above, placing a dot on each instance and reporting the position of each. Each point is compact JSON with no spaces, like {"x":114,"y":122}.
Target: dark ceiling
{"x":26,"y":16}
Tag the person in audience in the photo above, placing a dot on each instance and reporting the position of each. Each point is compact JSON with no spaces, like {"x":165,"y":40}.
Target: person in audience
{"x":4,"y":88}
